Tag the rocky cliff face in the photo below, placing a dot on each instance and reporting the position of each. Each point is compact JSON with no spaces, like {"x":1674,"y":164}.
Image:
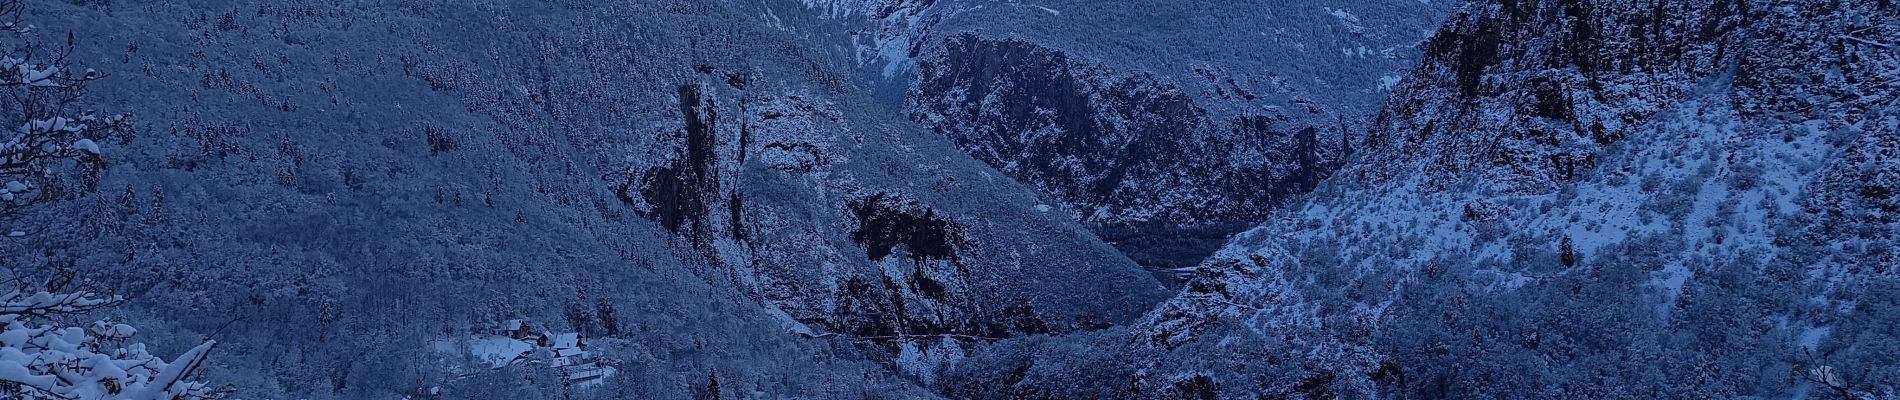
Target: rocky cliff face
{"x":1117,"y":149}
{"x":1564,"y":187}
{"x":1169,"y":137}
{"x":854,"y":229}
{"x":806,"y":209}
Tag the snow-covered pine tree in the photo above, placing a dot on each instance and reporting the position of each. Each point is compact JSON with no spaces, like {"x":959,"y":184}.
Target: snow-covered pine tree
{"x":41,"y":358}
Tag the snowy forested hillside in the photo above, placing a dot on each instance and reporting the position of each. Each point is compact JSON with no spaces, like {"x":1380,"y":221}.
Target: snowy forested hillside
{"x":967,"y":199}
{"x":330,"y":190}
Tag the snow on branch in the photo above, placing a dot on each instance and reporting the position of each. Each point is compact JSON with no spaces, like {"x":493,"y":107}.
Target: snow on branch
{"x":1822,"y":372}
{"x":49,"y":127}
{"x":50,"y":361}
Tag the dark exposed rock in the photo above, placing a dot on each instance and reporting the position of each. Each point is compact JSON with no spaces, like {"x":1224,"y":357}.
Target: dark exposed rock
{"x":680,"y":195}
{"x":1317,"y":386}
{"x":1199,"y":387}
{"x":886,"y":221}
{"x":735,"y":210}
{"x":1389,"y":373}
{"x":738,"y":80}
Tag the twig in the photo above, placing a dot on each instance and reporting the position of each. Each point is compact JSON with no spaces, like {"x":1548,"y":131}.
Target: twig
{"x":1867,"y":42}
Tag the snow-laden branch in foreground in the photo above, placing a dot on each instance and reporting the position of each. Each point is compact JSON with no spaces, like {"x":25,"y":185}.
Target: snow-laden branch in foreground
{"x":50,"y":361}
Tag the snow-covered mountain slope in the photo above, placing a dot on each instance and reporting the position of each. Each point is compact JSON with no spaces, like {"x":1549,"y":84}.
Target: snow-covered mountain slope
{"x":1600,"y":199}
{"x":1596,"y":199}
{"x":821,"y":198}
{"x":1152,"y":120}
{"x":329,"y":188}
